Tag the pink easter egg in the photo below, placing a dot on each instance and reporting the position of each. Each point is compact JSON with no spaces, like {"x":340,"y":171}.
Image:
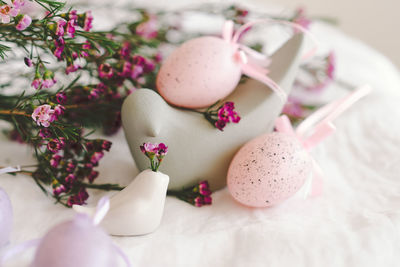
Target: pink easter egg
{"x":199,"y":73}
{"x":76,"y":243}
{"x":6,"y":218}
{"x":268,"y":170}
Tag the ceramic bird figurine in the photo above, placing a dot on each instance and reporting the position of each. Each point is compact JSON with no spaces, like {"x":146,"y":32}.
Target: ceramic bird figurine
{"x":138,"y":208}
{"x":199,"y":151}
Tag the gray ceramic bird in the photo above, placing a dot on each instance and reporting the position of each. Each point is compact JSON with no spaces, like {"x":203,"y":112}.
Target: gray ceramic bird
{"x":197,"y":150}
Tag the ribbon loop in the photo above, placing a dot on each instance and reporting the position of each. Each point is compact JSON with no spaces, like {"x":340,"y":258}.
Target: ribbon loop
{"x":253,"y":63}
{"x":317,"y":127}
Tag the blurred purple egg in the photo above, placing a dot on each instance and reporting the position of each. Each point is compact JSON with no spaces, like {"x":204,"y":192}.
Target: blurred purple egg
{"x":76,"y":243}
{"x":6,"y":218}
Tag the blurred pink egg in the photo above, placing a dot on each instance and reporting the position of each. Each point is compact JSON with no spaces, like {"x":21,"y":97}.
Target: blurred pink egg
{"x":199,"y":73}
{"x":6,"y":218}
{"x":76,"y":243}
{"x":268,"y":170}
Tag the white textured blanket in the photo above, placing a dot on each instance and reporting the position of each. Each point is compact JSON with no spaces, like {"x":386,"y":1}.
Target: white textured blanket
{"x":356,"y":222}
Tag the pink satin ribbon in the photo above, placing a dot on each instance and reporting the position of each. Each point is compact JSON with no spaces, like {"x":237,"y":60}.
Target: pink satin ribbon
{"x":318,"y":126}
{"x":101,"y":211}
{"x":253,"y":63}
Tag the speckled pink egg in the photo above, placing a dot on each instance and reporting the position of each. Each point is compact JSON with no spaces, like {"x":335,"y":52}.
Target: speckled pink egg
{"x":268,"y":170}
{"x":199,"y":73}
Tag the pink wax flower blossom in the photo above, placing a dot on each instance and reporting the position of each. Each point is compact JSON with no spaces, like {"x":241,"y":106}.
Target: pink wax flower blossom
{"x":88,"y":21}
{"x":106,"y":71}
{"x":43,"y":115}
{"x":23,"y":22}
{"x":293,"y":108}
{"x":72,"y":68}
{"x":136,"y":71}
{"x":220,"y":125}
{"x":125,"y":51}
{"x":61,"y":97}
{"x":55,"y":145}
{"x":70,"y":178}
{"x":204,"y":188}
{"x":148,"y":29}
{"x":73,"y":15}
{"x":55,"y":161}
{"x":92,"y":176}
{"x":48,"y":79}
{"x":18,"y":4}
{"x":71,"y":166}
{"x":7,"y":12}
{"x":36,"y":83}
{"x":58,"y":188}
{"x":94,"y":159}
{"x":106,"y":145}
{"x":78,"y":199}
{"x":28,"y":62}
{"x":71,"y":28}
{"x":45,"y":133}
{"x":330,"y":67}
{"x":60,"y":31}
{"x":301,"y":19}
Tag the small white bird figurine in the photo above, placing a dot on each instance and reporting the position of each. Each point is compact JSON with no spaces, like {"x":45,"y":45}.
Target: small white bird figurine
{"x":138,"y":208}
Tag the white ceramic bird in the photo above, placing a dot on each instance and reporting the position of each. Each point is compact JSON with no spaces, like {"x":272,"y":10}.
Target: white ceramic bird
{"x":197,"y":150}
{"x":138,"y":208}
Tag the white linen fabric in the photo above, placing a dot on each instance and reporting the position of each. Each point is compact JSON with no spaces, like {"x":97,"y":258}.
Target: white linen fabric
{"x":356,"y":222}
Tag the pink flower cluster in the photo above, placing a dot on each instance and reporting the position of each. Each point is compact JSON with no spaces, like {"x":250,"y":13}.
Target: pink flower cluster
{"x":71,"y":164}
{"x":133,"y":67}
{"x":155,"y":152}
{"x":44,"y":115}
{"x":226,"y":114}
{"x":67,"y":25}
{"x":197,"y":195}
{"x":222,"y":116}
{"x":204,"y":197}
{"x":12,"y":11}
{"x":45,"y":81}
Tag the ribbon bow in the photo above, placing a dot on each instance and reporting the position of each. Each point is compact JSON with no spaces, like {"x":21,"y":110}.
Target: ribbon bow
{"x":253,"y":63}
{"x":316,"y":127}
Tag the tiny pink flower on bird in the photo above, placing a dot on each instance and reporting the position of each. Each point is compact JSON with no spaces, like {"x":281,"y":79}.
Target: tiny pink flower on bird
{"x":155,"y":152}
{"x":23,"y":22}
{"x":43,"y":115}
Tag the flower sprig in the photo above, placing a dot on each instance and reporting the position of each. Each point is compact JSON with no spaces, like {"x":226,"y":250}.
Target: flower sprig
{"x":197,"y":195}
{"x":222,"y":115}
{"x":155,"y":153}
